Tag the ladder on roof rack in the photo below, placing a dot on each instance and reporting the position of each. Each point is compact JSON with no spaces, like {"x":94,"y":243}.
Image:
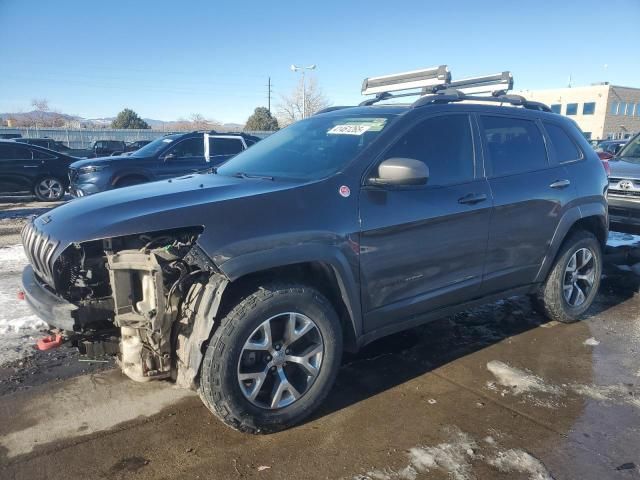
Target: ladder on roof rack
{"x":436,"y":87}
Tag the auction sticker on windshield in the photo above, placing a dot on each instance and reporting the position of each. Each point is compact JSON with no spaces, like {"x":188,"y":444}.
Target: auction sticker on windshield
{"x":358,"y":126}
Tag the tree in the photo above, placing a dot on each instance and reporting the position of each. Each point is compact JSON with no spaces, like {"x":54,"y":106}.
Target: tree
{"x":127,"y":118}
{"x":261,"y":120}
{"x":291,"y":107}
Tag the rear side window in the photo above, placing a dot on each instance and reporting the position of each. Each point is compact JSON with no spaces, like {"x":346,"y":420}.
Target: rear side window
{"x":15,"y":152}
{"x":513,"y":145}
{"x":564,"y":148}
{"x":444,"y":144}
{"x":39,"y":155}
{"x":225,"y":146}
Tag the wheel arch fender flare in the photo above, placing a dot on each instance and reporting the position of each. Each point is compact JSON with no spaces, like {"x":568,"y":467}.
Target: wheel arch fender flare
{"x":329,"y":255}
{"x":572,"y":217}
{"x":130,"y":172}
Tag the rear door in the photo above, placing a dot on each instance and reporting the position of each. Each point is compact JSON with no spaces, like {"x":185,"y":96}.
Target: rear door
{"x":423,"y":247}
{"x":18,"y":168}
{"x":530,"y":194}
{"x":222,"y":148}
{"x":186,"y":156}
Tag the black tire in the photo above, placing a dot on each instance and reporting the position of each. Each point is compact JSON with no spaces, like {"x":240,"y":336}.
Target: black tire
{"x":129,"y":181}
{"x":49,"y":189}
{"x":219,"y":384}
{"x":551,"y":300}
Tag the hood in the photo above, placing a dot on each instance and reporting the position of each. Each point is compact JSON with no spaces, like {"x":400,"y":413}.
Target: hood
{"x":621,"y":168}
{"x":187,"y":201}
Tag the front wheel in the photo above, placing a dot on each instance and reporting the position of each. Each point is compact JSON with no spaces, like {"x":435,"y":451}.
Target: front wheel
{"x":49,"y":189}
{"x":574,"y":279}
{"x":273,"y":359}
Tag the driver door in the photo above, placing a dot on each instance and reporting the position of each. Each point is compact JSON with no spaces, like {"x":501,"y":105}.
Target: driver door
{"x":423,"y":247}
{"x":186,"y":156}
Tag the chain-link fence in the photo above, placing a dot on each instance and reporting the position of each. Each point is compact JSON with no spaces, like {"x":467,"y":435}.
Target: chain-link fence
{"x":84,"y":137}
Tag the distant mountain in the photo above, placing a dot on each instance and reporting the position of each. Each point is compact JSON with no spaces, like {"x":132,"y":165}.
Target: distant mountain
{"x":36,"y":114}
{"x":101,"y":122}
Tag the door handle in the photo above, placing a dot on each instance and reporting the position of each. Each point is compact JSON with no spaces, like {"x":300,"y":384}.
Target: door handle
{"x":560,"y":184}
{"x":472,"y":198}
{"x":30,"y":166}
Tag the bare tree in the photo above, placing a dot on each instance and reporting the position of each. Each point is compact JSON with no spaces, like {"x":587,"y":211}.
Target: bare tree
{"x":292,"y":107}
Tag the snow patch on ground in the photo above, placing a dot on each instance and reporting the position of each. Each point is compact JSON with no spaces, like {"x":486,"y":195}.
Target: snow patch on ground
{"x":455,"y":459}
{"x":518,"y":381}
{"x":520,"y":461}
{"x":618,"y":239}
{"x":591,"y":342}
{"x":19,"y":327}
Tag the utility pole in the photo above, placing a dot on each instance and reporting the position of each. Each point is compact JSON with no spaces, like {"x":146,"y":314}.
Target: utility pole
{"x":269,"y":91}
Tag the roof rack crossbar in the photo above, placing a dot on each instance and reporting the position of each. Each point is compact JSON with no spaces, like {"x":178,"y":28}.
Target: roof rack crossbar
{"x":428,"y":77}
{"x":451,"y":95}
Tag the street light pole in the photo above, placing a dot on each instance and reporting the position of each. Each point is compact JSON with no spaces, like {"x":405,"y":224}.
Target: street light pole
{"x":295,"y":68}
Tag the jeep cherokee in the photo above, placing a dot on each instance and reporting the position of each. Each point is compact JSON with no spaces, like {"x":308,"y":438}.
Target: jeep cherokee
{"x":249,"y":282}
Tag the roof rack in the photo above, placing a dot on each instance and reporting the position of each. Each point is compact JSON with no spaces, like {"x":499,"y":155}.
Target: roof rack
{"x":436,"y":87}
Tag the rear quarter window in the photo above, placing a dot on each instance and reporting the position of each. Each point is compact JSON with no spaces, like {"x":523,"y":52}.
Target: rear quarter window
{"x":563,"y":148}
{"x":512,"y":145}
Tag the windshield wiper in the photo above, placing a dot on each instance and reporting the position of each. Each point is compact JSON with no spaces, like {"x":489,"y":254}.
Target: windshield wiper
{"x":252,"y":175}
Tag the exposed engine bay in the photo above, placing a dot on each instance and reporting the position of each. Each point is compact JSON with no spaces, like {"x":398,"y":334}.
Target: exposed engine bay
{"x":150,"y":288}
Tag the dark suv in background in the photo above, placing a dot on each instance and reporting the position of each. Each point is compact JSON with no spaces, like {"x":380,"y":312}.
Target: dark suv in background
{"x":249,"y":281}
{"x":166,"y":157}
{"x":32,"y":170}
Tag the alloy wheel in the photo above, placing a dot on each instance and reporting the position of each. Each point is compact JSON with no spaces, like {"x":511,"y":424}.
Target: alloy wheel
{"x":579,"y":277}
{"x":280,"y":360}
{"x":50,"y":188}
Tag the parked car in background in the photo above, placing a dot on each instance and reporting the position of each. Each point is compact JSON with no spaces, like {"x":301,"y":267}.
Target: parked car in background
{"x":55,"y":145}
{"x":106,"y":148}
{"x":137,"y":145}
{"x":31,"y":170}
{"x":166,"y":157}
{"x":610,"y":146}
{"x":624,"y":188}
{"x":250,"y":281}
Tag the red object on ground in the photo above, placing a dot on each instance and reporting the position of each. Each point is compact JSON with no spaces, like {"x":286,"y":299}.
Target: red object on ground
{"x":47,"y":343}
{"x":20,"y":295}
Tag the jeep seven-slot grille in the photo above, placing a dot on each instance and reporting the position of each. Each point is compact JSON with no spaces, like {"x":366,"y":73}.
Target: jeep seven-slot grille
{"x":39,"y":249}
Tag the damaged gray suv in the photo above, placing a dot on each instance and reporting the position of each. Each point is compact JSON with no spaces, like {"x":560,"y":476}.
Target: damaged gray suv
{"x":248,"y":282}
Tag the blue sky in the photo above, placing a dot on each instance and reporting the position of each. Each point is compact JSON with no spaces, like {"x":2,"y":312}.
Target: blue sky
{"x":171,"y":59}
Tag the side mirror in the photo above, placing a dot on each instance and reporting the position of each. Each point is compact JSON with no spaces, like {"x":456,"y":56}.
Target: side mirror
{"x":401,"y":171}
{"x":169,"y":157}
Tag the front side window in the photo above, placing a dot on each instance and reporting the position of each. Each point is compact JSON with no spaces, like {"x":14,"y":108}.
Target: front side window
{"x":556,"y":108}
{"x":444,"y":144}
{"x":310,"y":149}
{"x":589,"y":108}
{"x":225,"y":146}
{"x":564,"y":148}
{"x":513,"y":145}
{"x":192,"y":147}
{"x":631,"y":151}
{"x":572,"y":108}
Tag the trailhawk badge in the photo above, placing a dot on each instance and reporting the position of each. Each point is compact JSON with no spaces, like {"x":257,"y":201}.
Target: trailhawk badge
{"x":344,"y":191}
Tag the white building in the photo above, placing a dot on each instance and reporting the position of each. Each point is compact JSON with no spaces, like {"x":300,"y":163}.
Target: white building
{"x":601,"y":110}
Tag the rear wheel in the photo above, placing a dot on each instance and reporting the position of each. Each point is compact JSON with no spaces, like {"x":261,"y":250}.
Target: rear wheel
{"x":273,"y":359}
{"x":574,"y":279}
{"x":49,"y":189}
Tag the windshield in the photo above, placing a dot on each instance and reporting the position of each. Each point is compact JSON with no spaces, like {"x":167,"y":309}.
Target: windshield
{"x":155,"y":147}
{"x":309,"y":149}
{"x":631,"y":150}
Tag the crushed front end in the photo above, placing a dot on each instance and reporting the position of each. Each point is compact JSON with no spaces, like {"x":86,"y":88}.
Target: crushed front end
{"x":140,"y":287}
